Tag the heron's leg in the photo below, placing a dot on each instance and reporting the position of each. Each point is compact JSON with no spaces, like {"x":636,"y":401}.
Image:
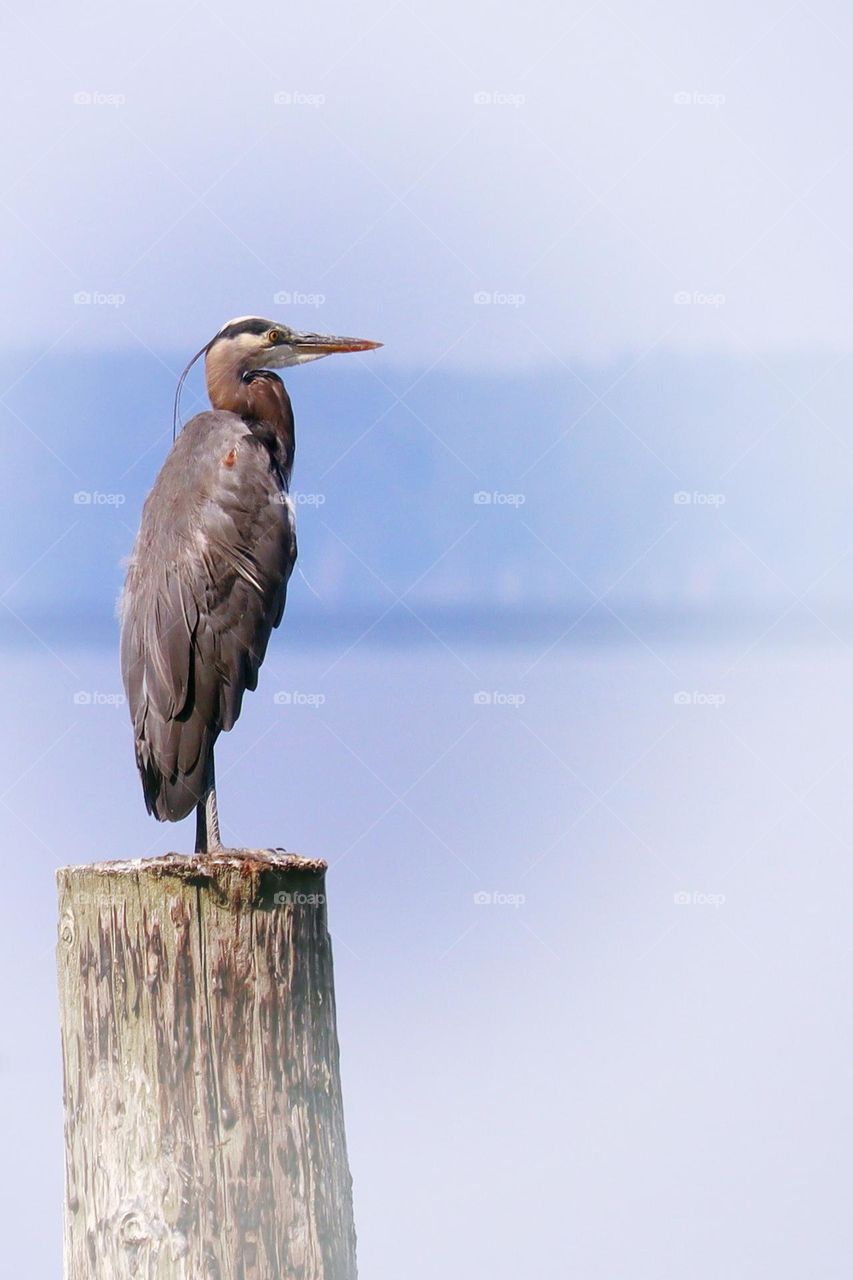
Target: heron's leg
{"x":207,"y":838}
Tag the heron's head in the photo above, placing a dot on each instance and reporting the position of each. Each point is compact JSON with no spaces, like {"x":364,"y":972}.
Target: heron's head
{"x":251,"y":343}
{"x":244,"y":346}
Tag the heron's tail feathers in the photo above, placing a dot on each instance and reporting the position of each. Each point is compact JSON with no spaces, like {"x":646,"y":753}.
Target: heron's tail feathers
{"x":173,"y":787}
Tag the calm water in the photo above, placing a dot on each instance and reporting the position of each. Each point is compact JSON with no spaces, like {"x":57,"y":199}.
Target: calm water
{"x":633,"y":1061}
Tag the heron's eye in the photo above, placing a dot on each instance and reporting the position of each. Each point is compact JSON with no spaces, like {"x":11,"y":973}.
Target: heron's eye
{"x":274,"y":335}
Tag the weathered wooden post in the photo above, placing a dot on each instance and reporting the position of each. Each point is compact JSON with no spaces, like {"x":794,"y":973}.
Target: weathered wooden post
{"x":204,"y":1135}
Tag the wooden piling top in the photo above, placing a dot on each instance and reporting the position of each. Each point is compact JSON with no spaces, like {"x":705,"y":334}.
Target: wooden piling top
{"x":240,"y":876}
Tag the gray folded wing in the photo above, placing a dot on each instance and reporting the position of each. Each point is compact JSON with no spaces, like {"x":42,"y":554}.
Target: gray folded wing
{"x":206,"y":584}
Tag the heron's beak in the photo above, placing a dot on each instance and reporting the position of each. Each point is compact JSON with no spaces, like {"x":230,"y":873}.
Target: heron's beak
{"x":299,"y":348}
{"x":311,"y":346}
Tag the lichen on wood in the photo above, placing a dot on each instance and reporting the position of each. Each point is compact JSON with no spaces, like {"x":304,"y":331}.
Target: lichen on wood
{"x":203,"y":1117}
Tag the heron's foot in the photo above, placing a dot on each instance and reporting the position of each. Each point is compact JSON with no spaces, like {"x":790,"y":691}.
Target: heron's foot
{"x":207,"y":848}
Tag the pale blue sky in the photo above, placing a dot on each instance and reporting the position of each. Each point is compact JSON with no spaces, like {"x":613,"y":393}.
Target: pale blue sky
{"x":586,"y":182}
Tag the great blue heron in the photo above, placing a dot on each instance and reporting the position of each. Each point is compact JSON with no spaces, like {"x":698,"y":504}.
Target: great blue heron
{"x":208,"y":575}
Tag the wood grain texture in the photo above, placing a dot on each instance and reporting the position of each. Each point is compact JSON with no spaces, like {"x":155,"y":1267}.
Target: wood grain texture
{"x":204,"y":1135}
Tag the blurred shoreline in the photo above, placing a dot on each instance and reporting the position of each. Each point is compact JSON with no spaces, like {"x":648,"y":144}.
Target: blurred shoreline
{"x":404,"y":627}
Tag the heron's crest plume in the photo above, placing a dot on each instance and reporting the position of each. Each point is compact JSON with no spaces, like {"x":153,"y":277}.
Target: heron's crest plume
{"x":176,"y":411}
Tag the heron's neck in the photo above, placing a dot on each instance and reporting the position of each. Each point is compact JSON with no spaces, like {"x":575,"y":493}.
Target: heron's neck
{"x":261,"y":399}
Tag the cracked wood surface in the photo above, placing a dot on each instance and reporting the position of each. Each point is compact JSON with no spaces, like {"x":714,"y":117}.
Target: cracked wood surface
{"x":204,"y":1135}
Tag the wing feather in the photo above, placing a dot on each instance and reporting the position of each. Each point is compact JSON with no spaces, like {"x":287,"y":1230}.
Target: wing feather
{"x":206,"y":585}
